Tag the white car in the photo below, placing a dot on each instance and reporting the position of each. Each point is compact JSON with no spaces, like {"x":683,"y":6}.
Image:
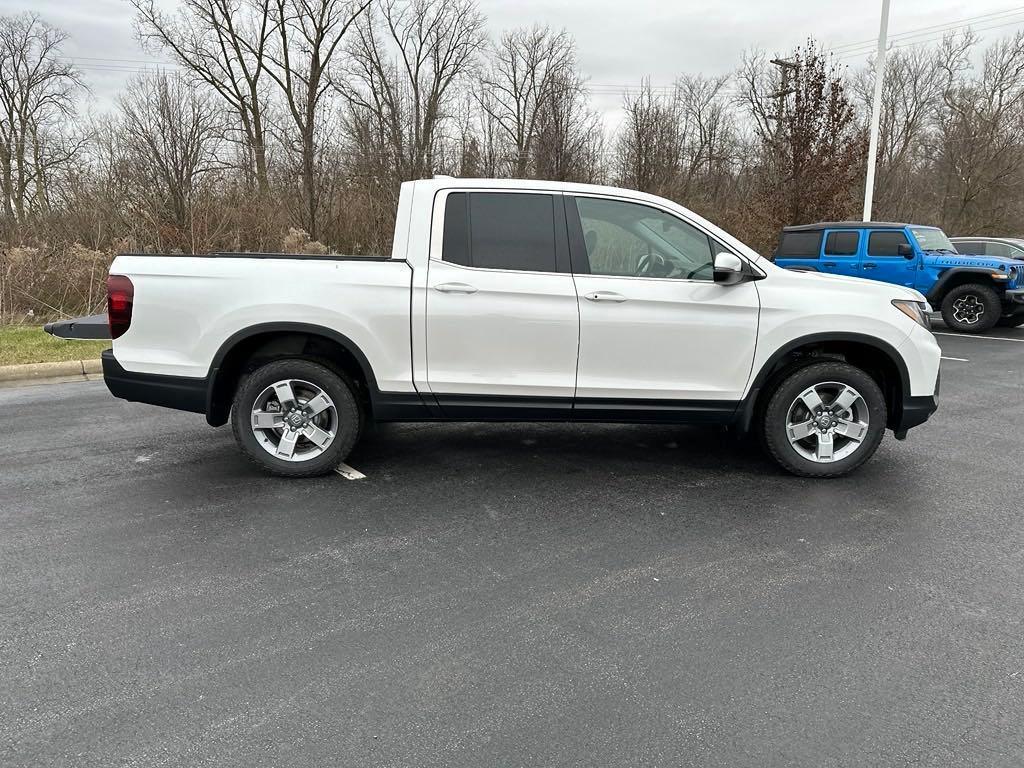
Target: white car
{"x":512,"y":300}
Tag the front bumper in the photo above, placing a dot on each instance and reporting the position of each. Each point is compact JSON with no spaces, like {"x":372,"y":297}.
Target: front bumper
{"x":179,"y":392}
{"x":1013,"y":301}
{"x":915,"y":411}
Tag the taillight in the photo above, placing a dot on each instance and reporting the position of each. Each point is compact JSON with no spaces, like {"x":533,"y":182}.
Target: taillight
{"x":120,"y":295}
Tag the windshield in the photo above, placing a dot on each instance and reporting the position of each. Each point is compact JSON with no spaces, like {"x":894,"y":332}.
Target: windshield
{"x":932,"y":239}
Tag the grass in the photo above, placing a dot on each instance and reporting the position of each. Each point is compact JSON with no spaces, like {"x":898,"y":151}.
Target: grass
{"x":31,"y":344}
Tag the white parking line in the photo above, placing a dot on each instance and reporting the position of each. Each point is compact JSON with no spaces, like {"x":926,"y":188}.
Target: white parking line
{"x":348,"y":473}
{"x":958,"y":359}
{"x":979,"y":338}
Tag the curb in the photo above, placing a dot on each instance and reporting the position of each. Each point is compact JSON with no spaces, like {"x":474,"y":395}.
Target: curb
{"x":50,"y":373}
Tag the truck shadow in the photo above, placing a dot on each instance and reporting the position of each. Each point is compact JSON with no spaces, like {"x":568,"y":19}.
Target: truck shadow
{"x":560,"y":447}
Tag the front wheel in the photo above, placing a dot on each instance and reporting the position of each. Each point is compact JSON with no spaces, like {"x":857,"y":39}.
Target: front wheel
{"x":971,"y":308}
{"x":824,"y":420}
{"x":296,"y":418}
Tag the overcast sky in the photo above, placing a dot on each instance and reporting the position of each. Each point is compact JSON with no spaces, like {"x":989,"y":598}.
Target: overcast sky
{"x":619,"y":41}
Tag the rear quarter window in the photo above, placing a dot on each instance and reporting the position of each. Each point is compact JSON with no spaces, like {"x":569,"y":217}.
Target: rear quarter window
{"x":799,"y":245}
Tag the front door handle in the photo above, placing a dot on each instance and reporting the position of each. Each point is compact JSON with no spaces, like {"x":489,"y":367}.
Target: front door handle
{"x":454,"y":288}
{"x":605,"y":296}
{"x":828,"y":264}
{"x":869,"y":265}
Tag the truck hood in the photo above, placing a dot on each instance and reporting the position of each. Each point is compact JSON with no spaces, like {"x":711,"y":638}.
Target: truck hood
{"x":966,"y":260}
{"x":886,"y":290}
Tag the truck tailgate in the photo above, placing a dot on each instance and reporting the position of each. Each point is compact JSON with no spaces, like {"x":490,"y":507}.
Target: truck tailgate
{"x":90,"y":327}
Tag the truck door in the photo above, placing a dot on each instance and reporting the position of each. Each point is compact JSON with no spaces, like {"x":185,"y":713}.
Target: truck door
{"x":502,"y":320}
{"x":841,"y":252}
{"x":891,"y":258}
{"x":659,"y":339}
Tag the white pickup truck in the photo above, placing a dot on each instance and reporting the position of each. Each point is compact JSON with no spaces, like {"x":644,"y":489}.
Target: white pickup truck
{"x":523,"y":301}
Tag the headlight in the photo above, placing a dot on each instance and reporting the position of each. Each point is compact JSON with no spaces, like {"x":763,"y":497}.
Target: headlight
{"x":915,"y":310}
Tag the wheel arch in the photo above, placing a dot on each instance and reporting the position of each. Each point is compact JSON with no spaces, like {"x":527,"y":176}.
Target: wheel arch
{"x":875,"y":356}
{"x":258,"y":344}
{"x":957,"y":276}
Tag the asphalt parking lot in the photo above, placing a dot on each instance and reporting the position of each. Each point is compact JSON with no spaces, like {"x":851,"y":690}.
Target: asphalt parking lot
{"x":512,"y":594}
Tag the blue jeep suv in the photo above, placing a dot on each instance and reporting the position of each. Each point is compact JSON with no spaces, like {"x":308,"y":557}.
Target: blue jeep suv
{"x":974,"y":293}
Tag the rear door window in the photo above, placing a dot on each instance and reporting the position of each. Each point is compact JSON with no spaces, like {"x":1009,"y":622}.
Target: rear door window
{"x":842,"y":243}
{"x":500,"y":230}
{"x":799,"y":245}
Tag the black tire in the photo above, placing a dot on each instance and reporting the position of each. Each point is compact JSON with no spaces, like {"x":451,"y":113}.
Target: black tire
{"x":337,"y":387}
{"x":971,"y":300}
{"x":1014,"y":321}
{"x":776,"y":419}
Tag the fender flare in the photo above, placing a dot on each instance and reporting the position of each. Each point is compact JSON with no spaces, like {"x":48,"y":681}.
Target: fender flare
{"x":938,"y":290}
{"x":745,"y":412}
{"x":215,"y":414}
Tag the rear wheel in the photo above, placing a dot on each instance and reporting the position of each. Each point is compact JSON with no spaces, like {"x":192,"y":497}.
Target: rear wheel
{"x":824,"y":420}
{"x":971,"y":308}
{"x":296,"y":418}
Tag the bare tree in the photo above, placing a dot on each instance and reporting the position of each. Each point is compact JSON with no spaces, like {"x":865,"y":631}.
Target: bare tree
{"x":170,"y":133}
{"x":405,"y":62}
{"x":37,"y":93}
{"x":309,"y":34}
{"x":527,"y":65}
{"x":911,"y":99}
{"x":812,"y":148}
{"x":650,"y":144}
{"x":223,"y":44}
{"x":709,"y":133}
{"x":569,"y":145}
{"x":980,"y":152}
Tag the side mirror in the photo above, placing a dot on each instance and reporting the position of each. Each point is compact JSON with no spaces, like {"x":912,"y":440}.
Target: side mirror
{"x":905,"y":250}
{"x":729,"y":269}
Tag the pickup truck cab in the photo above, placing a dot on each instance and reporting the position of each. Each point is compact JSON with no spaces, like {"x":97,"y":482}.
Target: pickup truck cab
{"x":523,"y":301}
{"x":974,"y":292}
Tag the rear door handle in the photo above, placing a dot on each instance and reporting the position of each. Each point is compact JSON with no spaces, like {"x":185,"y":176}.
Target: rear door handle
{"x":869,"y":265}
{"x":454,"y":288}
{"x":828,"y":264}
{"x":604,"y":296}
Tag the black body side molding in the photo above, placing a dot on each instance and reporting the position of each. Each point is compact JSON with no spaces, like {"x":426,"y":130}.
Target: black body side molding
{"x":745,"y":413}
{"x":196,"y":394}
{"x":179,"y":392}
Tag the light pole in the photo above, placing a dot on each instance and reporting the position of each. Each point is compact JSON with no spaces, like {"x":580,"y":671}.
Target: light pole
{"x":876,"y":111}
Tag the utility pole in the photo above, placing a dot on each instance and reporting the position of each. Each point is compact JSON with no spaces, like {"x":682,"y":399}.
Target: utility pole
{"x":780,"y":147}
{"x":876,"y":111}
{"x":785,"y":67}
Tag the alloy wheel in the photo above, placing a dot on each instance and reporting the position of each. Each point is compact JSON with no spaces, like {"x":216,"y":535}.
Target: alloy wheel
{"x":827,"y":422}
{"x":294,"y":420}
{"x":968,"y":309}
